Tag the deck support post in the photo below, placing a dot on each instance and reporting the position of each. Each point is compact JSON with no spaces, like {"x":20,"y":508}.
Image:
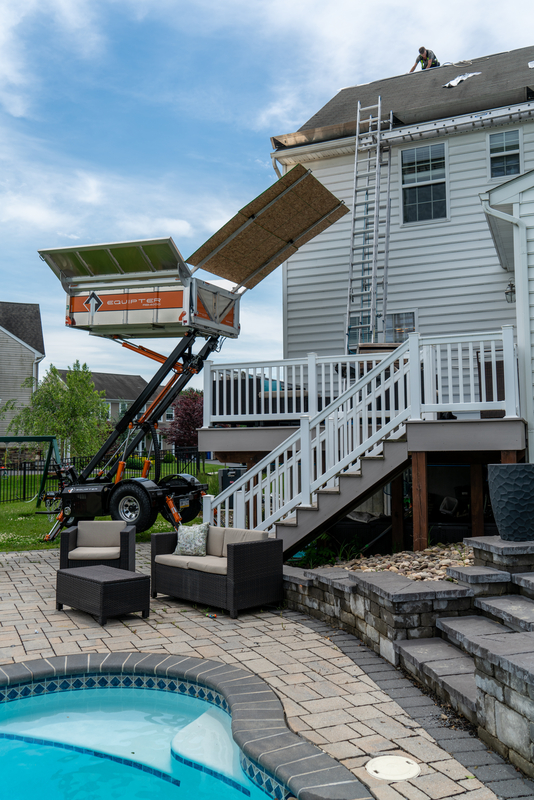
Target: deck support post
{"x":509,"y":457}
{"x":419,"y":501}
{"x":397,"y":513}
{"x":477,"y":500}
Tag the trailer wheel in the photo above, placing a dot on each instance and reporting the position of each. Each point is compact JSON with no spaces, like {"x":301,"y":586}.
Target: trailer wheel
{"x":131,"y":504}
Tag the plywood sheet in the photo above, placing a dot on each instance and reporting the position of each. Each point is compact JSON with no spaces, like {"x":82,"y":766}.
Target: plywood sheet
{"x":268,"y":230}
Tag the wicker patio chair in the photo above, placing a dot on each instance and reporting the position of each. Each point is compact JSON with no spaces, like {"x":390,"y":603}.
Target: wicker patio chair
{"x":90,"y":544}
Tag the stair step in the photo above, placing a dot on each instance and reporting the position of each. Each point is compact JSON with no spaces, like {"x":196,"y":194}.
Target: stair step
{"x":463,"y":631}
{"x":482,"y":580}
{"x":334,"y":490}
{"x":525,"y":581}
{"x":444,"y":669}
{"x":290,"y":522}
{"x":514,"y":610}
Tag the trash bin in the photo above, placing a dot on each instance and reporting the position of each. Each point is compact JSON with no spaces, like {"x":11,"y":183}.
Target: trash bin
{"x":227,"y":477}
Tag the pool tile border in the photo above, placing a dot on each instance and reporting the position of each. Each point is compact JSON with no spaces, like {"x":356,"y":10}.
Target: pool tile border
{"x":268,"y":747}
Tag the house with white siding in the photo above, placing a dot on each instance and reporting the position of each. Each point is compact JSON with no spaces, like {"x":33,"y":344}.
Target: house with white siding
{"x":21,"y":350}
{"x":445,"y":146}
{"x":408,"y":324}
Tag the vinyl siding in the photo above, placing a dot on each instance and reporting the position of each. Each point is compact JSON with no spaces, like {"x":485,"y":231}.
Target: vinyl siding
{"x":16,"y":364}
{"x":447,"y":269}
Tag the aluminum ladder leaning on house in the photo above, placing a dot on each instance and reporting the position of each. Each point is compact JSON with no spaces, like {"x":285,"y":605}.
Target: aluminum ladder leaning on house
{"x":369,"y":246}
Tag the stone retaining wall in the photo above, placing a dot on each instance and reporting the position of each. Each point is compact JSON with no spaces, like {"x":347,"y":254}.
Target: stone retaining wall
{"x":378,"y":607}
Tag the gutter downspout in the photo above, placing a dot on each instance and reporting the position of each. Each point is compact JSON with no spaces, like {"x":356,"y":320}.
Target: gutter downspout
{"x":524,"y":347}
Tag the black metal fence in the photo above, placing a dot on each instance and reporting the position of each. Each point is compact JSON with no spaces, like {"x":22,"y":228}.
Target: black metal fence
{"x":21,"y":482}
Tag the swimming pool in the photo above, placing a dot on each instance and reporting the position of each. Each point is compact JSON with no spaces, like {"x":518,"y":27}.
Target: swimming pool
{"x":119,"y":742}
{"x":235,"y":744}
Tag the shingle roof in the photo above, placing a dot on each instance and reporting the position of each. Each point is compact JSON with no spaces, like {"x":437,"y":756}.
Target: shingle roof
{"x":23,"y":320}
{"x":505,"y":79}
{"x":116,"y":387}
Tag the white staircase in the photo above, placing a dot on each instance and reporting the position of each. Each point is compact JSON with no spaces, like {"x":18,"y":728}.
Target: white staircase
{"x":342,"y":454}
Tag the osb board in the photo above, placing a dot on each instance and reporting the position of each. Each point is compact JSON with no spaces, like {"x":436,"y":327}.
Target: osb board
{"x":275,"y":234}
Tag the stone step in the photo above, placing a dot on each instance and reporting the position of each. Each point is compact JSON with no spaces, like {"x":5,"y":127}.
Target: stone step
{"x":444,"y":669}
{"x":482,"y":580}
{"x":525,"y":581}
{"x":514,"y":610}
{"x":463,"y":631}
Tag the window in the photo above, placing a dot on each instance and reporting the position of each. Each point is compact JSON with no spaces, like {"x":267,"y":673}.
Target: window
{"x":505,"y":155}
{"x":123,"y":407}
{"x":109,"y":410}
{"x":169,"y":414}
{"x":424,"y":194}
{"x":398,"y":326}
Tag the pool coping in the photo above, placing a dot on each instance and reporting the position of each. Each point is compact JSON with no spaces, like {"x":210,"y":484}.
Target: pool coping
{"x":259,"y":725}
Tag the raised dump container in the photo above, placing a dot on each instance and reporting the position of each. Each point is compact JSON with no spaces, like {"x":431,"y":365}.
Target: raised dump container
{"x":140,"y":289}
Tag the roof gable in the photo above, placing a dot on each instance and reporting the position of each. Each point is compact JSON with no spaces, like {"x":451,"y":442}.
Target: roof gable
{"x":421,"y":96}
{"x":116,"y":387}
{"x":23,"y":320}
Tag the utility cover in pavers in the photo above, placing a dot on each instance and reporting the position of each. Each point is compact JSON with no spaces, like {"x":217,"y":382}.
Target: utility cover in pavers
{"x":515,"y":610}
{"x":465,"y":630}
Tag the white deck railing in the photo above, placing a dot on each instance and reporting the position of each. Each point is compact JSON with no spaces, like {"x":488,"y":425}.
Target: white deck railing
{"x":275,"y":391}
{"x":471,"y":372}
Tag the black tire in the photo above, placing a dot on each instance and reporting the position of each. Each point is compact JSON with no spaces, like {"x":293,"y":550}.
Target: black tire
{"x":130,"y":503}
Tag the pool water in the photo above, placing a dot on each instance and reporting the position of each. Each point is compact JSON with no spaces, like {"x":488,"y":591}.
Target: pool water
{"x":135,"y":742}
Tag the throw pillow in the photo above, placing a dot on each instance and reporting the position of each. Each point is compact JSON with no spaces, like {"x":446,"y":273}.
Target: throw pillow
{"x":192,"y":540}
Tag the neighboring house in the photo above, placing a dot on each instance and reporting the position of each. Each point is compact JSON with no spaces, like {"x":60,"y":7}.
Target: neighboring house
{"x":446,"y":146}
{"x":120,"y":392}
{"x":21,"y":350}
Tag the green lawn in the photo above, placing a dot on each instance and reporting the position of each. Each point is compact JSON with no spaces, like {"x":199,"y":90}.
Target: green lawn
{"x":21,"y":528}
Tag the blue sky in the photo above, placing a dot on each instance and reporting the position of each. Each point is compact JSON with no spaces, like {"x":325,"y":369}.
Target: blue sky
{"x":131,"y":119}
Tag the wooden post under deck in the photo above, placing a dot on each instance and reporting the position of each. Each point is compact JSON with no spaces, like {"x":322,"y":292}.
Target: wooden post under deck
{"x":397,"y":513}
{"x":477,"y":500}
{"x":419,"y":501}
{"x":509,"y":457}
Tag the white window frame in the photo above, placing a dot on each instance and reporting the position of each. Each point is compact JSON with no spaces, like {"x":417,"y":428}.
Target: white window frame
{"x":503,"y":178}
{"x":414,"y":311}
{"x":169,"y":410}
{"x":438,"y":220}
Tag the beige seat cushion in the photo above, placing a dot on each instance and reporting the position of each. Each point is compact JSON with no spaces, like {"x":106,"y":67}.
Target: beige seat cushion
{"x":170,"y":560}
{"x":212,"y":564}
{"x":215,"y":541}
{"x":234,"y":535}
{"x":95,"y":554}
{"x":105,"y":533}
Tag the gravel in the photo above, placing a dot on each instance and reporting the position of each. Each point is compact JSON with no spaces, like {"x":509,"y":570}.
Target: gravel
{"x":430,"y":564}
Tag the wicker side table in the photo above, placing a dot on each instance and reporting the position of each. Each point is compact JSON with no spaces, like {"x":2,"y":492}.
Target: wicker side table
{"x":103,"y":591}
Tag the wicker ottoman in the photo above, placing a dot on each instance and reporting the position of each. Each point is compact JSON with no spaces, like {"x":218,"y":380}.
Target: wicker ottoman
{"x":103,"y":591}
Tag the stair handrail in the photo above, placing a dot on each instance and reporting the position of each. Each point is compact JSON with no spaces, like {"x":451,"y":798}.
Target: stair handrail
{"x":300,"y":435}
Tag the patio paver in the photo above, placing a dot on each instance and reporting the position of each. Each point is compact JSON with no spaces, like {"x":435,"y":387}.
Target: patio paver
{"x":333,"y":689}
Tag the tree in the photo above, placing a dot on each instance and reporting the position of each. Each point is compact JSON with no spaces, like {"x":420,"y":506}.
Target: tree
{"x":188,"y":417}
{"x":71,"y":410}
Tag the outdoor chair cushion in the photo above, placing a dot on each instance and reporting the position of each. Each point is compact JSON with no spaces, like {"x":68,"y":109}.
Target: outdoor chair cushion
{"x":215,"y":541}
{"x":94,"y":553}
{"x":236,"y":535}
{"x":100,"y":533}
{"x":213,"y":564}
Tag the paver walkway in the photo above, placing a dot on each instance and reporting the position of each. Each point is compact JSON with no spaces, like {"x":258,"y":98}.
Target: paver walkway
{"x":335,"y":691}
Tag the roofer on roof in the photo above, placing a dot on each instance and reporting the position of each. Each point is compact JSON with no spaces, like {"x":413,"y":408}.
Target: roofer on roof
{"x":427,"y":58}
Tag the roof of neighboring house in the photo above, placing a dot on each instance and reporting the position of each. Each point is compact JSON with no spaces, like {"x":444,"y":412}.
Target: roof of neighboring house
{"x":23,"y":320}
{"x":505,"y":79}
{"x":116,"y":387}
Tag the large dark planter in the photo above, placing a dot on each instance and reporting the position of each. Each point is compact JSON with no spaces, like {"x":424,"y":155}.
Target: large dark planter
{"x":511,"y":488}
